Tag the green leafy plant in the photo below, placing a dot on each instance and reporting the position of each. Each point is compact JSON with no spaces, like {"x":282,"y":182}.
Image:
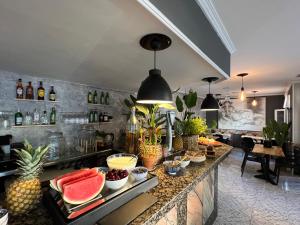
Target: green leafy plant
{"x":213,"y":124}
{"x":151,"y":132}
{"x":178,"y":128}
{"x":185,"y":105}
{"x":194,"y":126}
{"x":268,"y":131}
{"x":281,"y":131}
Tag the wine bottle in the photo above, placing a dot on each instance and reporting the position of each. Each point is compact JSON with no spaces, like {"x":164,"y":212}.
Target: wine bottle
{"x":52,"y":94}
{"x":106,"y":99}
{"x":19,"y":90}
{"x":95,"y":97}
{"x":102,"y":101}
{"x":41,"y":92}
{"x":29,"y":91}
{"x":90,"y":97}
{"x":53,"y":116}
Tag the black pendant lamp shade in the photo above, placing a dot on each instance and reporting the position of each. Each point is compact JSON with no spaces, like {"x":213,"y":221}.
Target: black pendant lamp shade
{"x":154,"y":89}
{"x":210,"y":103}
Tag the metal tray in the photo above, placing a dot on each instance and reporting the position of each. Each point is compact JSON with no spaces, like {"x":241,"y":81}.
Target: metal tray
{"x":92,"y":211}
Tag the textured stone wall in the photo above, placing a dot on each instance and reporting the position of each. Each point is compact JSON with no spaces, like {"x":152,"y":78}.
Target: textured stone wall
{"x":71,"y":97}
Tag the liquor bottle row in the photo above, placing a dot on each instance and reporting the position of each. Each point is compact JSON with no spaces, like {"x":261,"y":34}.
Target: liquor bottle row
{"x":103,"y":98}
{"x":95,"y":116}
{"x":35,"y":118}
{"x":28,"y":93}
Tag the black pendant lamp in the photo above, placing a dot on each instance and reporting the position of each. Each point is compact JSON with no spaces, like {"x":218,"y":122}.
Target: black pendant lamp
{"x":210,"y":103}
{"x":155,"y":89}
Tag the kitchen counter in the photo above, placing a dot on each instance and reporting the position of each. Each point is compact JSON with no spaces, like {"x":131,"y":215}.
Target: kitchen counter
{"x":181,"y":199}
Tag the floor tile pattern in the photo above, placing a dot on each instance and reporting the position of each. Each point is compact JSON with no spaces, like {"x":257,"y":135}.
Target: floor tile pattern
{"x":250,"y":201}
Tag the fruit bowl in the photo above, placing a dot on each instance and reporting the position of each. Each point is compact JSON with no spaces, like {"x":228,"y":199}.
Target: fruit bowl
{"x":122,"y":161}
{"x":139,"y":173}
{"x":172,"y":167}
{"x":184,"y":161}
{"x":116,"y":179}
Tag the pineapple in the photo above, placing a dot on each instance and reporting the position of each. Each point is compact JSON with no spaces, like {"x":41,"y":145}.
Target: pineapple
{"x":178,"y":141}
{"x":25,"y":192}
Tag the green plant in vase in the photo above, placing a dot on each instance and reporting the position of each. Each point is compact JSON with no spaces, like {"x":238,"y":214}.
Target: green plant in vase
{"x":150,"y":134}
{"x":268,"y":133}
{"x":281,"y":133}
{"x":191,"y":126}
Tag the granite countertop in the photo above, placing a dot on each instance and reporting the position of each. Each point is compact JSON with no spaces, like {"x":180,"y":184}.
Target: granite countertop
{"x":169,"y":191}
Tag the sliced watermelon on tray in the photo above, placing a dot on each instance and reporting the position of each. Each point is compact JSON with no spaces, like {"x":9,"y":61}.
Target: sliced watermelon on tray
{"x":72,"y":177}
{"x":83,"y":190}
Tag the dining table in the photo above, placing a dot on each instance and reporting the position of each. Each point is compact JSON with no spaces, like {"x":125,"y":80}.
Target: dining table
{"x":269,"y":175}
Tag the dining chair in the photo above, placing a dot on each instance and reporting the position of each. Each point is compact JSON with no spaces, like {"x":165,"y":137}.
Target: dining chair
{"x":247,"y":145}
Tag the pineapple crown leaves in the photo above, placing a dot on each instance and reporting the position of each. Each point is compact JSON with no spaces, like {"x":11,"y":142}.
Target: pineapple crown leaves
{"x":30,"y":160}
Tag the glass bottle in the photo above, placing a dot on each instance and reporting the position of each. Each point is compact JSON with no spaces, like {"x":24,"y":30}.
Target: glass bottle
{"x":90,"y":97}
{"x":52,"y":94}
{"x":106,"y":98}
{"x":132,"y":133}
{"x":105,"y":117}
{"x":101,"y":117}
{"x":29,"y":91}
{"x":18,"y":118}
{"x":36,"y":117}
{"x":96,"y":117}
{"x":53,"y":116}
{"x":28,"y":119}
{"x":19,"y":90}
{"x":91,"y":117}
{"x":44,"y":118}
{"x":41,"y":91}
{"x":95,"y":97}
{"x":102,"y":101}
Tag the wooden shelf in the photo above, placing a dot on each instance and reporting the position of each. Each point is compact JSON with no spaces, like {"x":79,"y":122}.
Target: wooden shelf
{"x":30,"y":126}
{"x":87,"y":124}
{"x":35,"y":100}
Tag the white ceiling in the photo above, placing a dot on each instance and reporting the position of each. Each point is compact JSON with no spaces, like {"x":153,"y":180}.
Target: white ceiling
{"x":266,"y":35}
{"x":93,"y":42}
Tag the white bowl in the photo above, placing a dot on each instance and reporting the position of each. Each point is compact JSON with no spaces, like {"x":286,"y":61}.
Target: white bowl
{"x":122,"y":161}
{"x":183,"y":163}
{"x":4,"y":218}
{"x":139,"y":176}
{"x":116,"y":184}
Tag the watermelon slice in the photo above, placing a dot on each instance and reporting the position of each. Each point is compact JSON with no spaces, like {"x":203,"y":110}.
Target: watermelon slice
{"x":71,"y":177}
{"x":53,"y":181}
{"x":83,"y":190}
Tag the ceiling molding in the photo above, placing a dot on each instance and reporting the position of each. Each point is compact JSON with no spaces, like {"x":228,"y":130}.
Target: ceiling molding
{"x":212,"y":15}
{"x":159,"y":15}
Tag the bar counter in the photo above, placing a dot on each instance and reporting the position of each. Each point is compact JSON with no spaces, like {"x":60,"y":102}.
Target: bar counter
{"x":187,"y":199}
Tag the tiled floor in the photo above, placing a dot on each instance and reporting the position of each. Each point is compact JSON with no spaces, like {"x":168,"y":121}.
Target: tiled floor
{"x":250,"y":201}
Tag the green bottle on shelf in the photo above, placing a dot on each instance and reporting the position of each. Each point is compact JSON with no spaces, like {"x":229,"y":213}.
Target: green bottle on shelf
{"x":18,"y":118}
{"x":90,"y":97}
{"x":53,"y":116}
{"x":102,"y":100}
{"x":95,"y":97}
{"x":106,"y":99}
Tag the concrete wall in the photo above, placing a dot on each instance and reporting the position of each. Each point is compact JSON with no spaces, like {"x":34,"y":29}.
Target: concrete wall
{"x":72,"y":97}
{"x":296,"y":113}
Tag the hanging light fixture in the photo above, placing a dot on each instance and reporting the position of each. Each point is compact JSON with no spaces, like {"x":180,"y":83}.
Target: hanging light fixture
{"x":209,"y":103}
{"x":242,"y":94}
{"x":254,"y":102}
{"x":154,"y":89}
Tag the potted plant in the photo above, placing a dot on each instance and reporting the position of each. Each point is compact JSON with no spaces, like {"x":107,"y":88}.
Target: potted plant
{"x":281,"y":131}
{"x":191,"y":130}
{"x":150,"y":134}
{"x":268,"y":133}
{"x":191,"y":127}
{"x":24,"y":193}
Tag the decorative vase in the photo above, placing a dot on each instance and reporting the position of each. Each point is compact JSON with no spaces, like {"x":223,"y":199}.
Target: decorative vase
{"x":150,"y":154}
{"x":267,"y":143}
{"x":190,"y":143}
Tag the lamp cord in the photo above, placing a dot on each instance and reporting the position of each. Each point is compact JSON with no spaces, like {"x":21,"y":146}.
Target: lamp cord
{"x":154,"y":59}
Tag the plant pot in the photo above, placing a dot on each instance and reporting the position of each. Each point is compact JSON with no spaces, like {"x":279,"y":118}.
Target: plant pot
{"x":267,"y":144}
{"x":150,"y":154}
{"x":190,"y":143}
